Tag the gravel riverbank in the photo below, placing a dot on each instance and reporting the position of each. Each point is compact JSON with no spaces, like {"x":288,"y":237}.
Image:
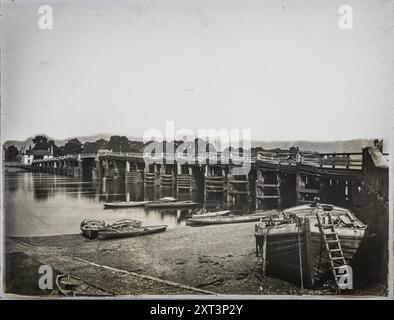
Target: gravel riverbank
{"x":219,"y":259}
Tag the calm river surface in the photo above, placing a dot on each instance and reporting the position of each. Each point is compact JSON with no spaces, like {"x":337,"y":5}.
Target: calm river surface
{"x":41,"y":204}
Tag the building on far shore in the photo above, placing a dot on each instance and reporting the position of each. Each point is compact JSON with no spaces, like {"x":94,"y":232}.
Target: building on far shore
{"x":28,"y":156}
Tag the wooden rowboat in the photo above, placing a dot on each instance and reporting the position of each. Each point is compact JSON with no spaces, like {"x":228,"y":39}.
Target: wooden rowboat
{"x":110,"y":233}
{"x":124,"y":204}
{"x":211,"y":214}
{"x":294,"y":249}
{"x":123,"y":223}
{"x":90,"y":227}
{"x":71,"y":286}
{"x":171,"y":204}
{"x":223,"y":220}
{"x":266,"y":213}
{"x":168,"y":199}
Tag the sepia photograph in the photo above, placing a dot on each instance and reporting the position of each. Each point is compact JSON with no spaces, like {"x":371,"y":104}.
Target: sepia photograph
{"x":196,"y":149}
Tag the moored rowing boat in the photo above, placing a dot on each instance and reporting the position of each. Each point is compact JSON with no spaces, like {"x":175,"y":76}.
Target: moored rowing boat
{"x":123,"y":223}
{"x":124,"y":204}
{"x":90,"y":227}
{"x":110,"y":233}
{"x":171,"y":204}
{"x":71,"y":286}
{"x":211,"y":214}
{"x":223,"y":219}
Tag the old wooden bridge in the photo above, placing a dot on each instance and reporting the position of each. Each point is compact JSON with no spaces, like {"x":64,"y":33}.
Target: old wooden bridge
{"x":270,"y":179}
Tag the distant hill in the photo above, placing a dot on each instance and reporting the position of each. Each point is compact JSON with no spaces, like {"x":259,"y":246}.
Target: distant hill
{"x":319,"y":146}
{"x":60,"y":142}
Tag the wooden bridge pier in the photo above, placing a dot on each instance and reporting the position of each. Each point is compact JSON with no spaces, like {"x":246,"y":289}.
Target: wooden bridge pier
{"x":238,"y":190}
{"x":268,"y":189}
{"x":97,"y":170}
{"x":108,"y":169}
{"x":307,"y":188}
{"x":214,"y":183}
{"x":152,"y":174}
{"x":338,"y":191}
{"x":59,"y":167}
{"x":149,"y":175}
{"x":134,"y":172}
{"x":277,"y":178}
{"x":167,"y":175}
{"x":185,"y":181}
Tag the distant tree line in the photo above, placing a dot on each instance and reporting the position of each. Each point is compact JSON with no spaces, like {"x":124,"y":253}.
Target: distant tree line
{"x":115,"y":143}
{"x":11,"y":154}
{"x":74,"y":146}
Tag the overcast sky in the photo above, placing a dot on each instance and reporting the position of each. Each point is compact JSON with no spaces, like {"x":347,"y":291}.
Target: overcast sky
{"x":283,"y":69}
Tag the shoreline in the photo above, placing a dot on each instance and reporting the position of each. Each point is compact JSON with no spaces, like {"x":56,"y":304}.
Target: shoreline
{"x":181,"y":261}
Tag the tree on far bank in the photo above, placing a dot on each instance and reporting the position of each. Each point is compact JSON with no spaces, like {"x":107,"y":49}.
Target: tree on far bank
{"x":41,"y":143}
{"x":58,"y":151}
{"x":11,"y":153}
{"x":119,"y":144}
{"x":94,"y":147}
{"x":73,"y":146}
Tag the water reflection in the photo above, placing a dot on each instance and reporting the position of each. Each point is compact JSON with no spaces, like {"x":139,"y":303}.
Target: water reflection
{"x":39,"y":204}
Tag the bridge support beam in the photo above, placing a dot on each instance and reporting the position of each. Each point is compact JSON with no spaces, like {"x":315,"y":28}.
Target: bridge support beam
{"x":167,"y":175}
{"x":238,"y":190}
{"x":97,"y":170}
{"x":152,"y":174}
{"x":307,"y":188}
{"x":268,"y":189}
{"x":149,"y":175}
{"x":134,"y":172}
{"x":64,"y":168}
{"x":108,"y":172}
{"x":337,"y":191}
{"x":184,"y":178}
{"x":215,"y":183}
{"x":78,"y":171}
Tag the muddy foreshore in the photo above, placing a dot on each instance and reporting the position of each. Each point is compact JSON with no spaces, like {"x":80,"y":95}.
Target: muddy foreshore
{"x":219,"y":259}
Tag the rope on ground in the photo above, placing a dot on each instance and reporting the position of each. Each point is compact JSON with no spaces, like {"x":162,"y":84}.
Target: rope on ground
{"x":143,"y":276}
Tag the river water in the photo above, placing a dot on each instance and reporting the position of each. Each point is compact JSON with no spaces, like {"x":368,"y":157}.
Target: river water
{"x":41,"y":204}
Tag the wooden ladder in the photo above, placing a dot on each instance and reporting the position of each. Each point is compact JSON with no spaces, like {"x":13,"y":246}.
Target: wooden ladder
{"x":334,"y":249}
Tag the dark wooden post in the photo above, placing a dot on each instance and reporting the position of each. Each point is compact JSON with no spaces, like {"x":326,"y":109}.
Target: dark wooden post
{"x":348,"y":161}
{"x":298,"y":187}
{"x":279,"y":183}
{"x":333,"y":160}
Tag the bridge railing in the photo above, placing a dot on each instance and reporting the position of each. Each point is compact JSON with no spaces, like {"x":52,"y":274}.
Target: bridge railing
{"x":321,"y":160}
{"x":212,"y":157}
{"x":347,"y":160}
{"x":88,"y":155}
{"x":120,"y":154}
{"x":279,"y":158}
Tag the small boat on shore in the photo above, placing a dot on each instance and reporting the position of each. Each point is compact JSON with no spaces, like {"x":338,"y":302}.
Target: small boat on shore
{"x":171,"y":204}
{"x":90,"y":227}
{"x":223,"y":220}
{"x":275,"y":213}
{"x":211,"y":214}
{"x":119,"y":224}
{"x":71,"y":286}
{"x":308,"y":242}
{"x":124,"y":204}
{"x":168,"y":199}
{"x":126,"y":232}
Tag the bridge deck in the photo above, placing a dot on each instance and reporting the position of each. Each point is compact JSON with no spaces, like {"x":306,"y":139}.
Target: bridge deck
{"x":332,"y":165}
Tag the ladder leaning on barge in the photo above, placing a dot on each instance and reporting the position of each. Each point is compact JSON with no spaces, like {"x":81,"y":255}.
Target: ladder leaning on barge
{"x":333,"y":246}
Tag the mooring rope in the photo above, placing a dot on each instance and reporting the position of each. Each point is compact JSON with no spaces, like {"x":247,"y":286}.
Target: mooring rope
{"x":300,"y":256}
{"x":321,"y":244}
